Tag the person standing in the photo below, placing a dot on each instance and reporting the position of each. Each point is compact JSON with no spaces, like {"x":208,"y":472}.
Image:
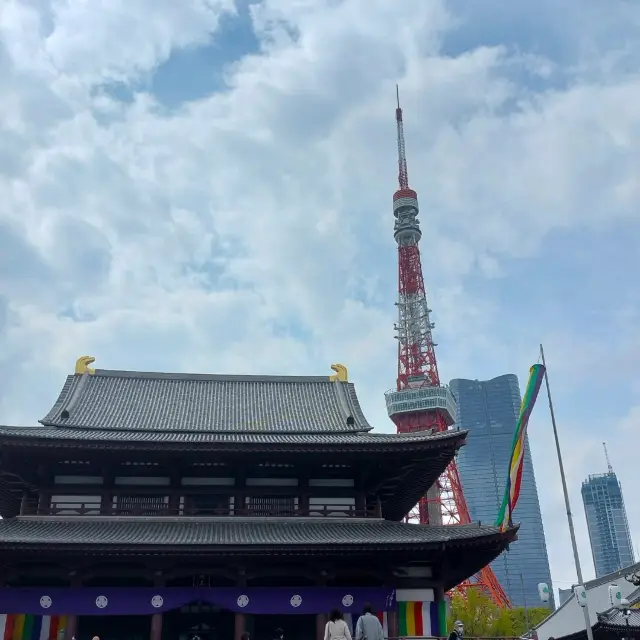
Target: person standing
{"x":336,"y":628}
{"x":458,"y":631}
{"x":368,"y":626}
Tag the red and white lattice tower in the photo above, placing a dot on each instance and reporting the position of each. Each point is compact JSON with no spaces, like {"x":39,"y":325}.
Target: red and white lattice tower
{"x":419,"y":401}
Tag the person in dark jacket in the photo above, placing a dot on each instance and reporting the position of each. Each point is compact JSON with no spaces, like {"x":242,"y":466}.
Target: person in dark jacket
{"x":458,"y":631}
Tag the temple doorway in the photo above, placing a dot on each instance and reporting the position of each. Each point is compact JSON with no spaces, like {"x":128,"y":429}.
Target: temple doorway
{"x":114,"y":627}
{"x":294,"y":627}
{"x":198,"y":621}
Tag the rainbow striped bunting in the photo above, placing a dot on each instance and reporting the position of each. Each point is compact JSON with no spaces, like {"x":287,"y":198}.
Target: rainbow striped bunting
{"x":18,"y":626}
{"x":421,"y":618}
{"x":516,"y":461}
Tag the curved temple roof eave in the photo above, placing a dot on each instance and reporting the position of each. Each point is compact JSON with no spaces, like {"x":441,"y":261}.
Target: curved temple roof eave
{"x":388,"y":441}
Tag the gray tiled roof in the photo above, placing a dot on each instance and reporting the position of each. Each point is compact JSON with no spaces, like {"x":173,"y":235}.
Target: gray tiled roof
{"x":370,"y":440}
{"x":164,"y":402}
{"x":615,"y":619}
{"x":230,"y":532}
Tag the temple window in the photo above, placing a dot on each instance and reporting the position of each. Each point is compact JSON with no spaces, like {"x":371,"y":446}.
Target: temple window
{"x":207,"y":504}
{"x":148,"y":481}
{"x":204,"y":482}
{"x":331,"y":482}
{"x":140,"y":505}
{"x":328,"y":506}
{"x":272,"y":482}
{"x":272,"y":505}
{"x":75,"y":505}
{"x":78,"y":480}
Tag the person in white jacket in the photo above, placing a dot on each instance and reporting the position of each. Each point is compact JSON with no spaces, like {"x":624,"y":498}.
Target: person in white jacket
{"x":337,"y":628}
{"x":368,"y":626}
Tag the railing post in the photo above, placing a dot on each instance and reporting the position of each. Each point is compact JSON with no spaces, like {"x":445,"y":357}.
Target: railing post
{"x":23,"y":504}
{"x":43,"y":503}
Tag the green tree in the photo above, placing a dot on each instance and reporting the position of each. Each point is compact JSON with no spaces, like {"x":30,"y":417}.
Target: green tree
{"x":483,"y":618}
{"x":479,"y":614}
{"x":535,"y":616}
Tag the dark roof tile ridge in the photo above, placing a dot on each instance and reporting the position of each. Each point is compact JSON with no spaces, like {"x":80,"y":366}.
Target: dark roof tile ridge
{"x":354,"y":405}
{"x":427,"y":434}
{"x":22,"y":427}
{"x":383,"y":438}
{"x":206,"y":377}
{"x":66,"y":392}
{"x":232,"y":432}
{"x":69,"y":397}
{"x":469,"y":525}
{"x":311,"y":520}
{"x":360,"y":425}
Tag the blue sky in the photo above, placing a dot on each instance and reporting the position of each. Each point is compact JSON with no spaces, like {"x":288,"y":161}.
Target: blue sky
{"x":206,"y":186}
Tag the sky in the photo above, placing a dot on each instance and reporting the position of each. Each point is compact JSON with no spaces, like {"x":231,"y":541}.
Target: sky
{"x":206,"y":186}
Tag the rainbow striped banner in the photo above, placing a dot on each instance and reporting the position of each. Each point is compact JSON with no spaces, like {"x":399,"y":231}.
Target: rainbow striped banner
{"x":516,"y":461}
{"x":421,"y":618}
{"x":18,"y":626}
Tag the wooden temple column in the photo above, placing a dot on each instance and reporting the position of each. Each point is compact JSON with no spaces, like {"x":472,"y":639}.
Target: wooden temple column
{"x":441,"y":602}
{"x":71,"y":630}
{"x":175,"y":492}
{"x":106,"y":501}
{"x":392,"y":623}
{"x":393,"y":629}
{"x":45,"y":479}
{"x":156,"y":619}
{"x":240,"y":622}
{"x":321,"y":618}
{"x":303,"y":496}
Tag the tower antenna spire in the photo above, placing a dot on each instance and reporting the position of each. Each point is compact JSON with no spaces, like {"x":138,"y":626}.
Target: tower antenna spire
{"x":419,"y":402}
{"x":403,"y":176}
{"x":606,"y":455}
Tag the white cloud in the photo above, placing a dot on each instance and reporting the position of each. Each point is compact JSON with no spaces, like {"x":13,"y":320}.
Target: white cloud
{"x":251,"y":230}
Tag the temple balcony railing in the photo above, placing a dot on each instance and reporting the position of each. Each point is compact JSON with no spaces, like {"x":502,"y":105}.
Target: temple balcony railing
{"x":94,"y":508}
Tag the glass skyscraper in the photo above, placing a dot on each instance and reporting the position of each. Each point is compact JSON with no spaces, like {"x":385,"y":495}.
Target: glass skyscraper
{"x":489,"y":411}
{"x":611,"y":546}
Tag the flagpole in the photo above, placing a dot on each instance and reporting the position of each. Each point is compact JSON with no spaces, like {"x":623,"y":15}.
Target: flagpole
{"x":524,"y":599}
{"x":574,"y":544}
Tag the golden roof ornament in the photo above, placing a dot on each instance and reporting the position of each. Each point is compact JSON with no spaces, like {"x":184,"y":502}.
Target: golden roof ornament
{"x":82,"y":365}
{"x":341,"y":373}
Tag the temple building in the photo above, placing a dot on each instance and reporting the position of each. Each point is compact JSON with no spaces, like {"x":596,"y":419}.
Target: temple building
{"x":168,"y":506}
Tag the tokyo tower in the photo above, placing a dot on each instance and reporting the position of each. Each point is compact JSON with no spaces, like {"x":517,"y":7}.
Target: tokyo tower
{"x":419,"y":402}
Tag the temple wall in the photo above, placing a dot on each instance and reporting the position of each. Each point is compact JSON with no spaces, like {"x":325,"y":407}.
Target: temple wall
{"x":416,"y":612}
